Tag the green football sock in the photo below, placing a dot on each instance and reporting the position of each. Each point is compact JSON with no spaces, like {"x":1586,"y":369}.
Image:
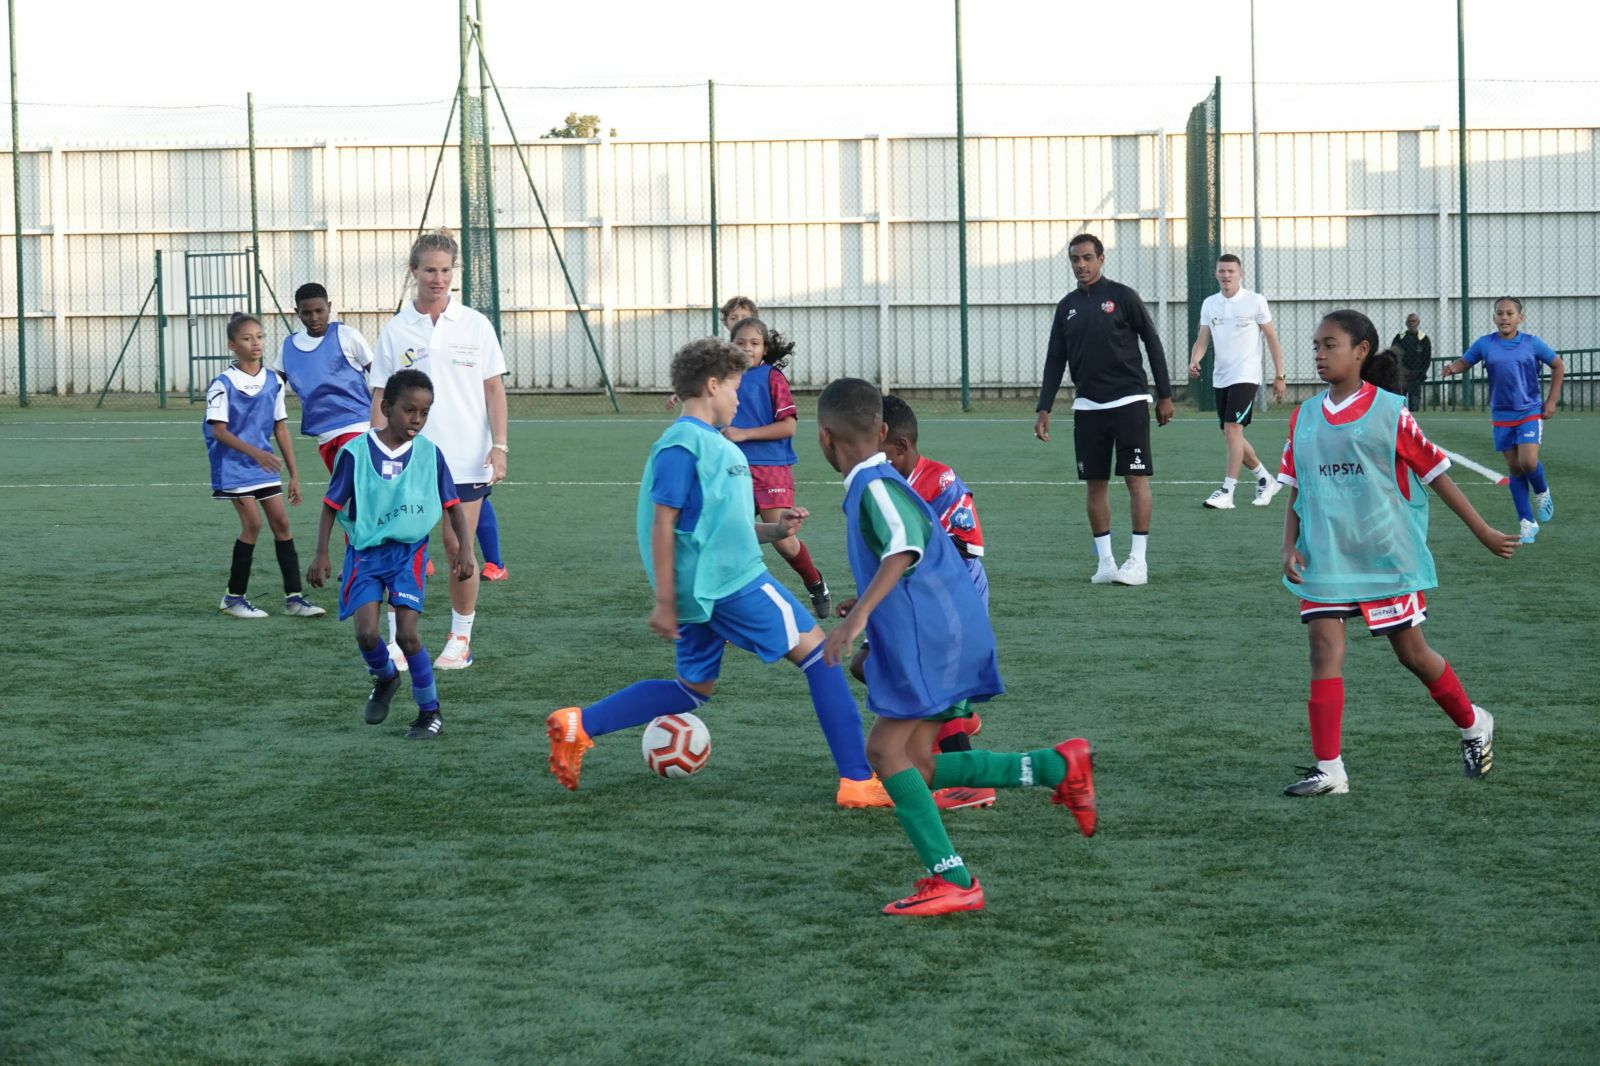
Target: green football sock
{"x":999,"y":769}
{"x":919,"y":817}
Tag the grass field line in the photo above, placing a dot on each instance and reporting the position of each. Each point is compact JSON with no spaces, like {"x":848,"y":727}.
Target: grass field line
{"x":608,"y":420}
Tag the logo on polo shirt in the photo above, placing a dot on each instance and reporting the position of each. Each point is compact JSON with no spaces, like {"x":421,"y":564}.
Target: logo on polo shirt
{"x":412,"y":356}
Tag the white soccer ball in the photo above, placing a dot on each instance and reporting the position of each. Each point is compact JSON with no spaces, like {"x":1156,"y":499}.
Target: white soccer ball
{"x":676,"y":745}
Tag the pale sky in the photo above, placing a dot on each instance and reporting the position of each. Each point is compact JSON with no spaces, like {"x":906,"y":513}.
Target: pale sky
{"x":345,"y":52}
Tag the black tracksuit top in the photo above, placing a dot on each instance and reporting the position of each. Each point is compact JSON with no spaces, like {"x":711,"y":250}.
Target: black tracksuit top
{"x":1095,"y":335}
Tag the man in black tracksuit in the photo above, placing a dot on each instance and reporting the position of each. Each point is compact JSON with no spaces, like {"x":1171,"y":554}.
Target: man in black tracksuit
{"x":1096,"y":336}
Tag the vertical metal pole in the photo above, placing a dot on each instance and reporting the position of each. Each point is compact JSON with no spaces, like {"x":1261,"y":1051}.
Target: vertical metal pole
{"x":16,"y":210}
{"x":255,"y":216}
{"x":711,"y":125}
{"x":463,"y":157}
{"x":488,"y":174}
{"x":1461,"y":167}
{"x":1255,"y":158}
{"x":1216,"y":153}
{"x":961,"y":221}
{"x":161,"y":336}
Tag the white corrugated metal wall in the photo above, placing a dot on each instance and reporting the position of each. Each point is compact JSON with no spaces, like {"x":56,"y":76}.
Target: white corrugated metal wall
{"x":850,"y":244}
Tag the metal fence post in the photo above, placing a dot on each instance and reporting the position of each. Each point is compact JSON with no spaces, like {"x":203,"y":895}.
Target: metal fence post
{"x":711,"y":126}
{"x":488,"y":178}
{"x":961,"y":222}
{"x":255,"y":215}
{"x":161,"y":336}
{"x":1461,"y":167}
{"x":462,"y":91}
{"x":16,"y":210}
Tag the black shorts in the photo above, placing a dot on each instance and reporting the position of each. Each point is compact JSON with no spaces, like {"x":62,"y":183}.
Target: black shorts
{"x":472,"y":491}
{"x":265,"y":492}
{"x":1236,"y":402}
{"x":1127,"y":428}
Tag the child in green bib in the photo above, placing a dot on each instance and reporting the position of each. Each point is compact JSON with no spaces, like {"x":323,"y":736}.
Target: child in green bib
{"x":390,"y":487}
{"x":1355,"y":539}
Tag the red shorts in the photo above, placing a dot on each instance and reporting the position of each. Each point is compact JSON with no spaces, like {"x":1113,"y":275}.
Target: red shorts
{"x":1382,"y":616}
{"x":774,"y":486}
{"x":331,"y":448}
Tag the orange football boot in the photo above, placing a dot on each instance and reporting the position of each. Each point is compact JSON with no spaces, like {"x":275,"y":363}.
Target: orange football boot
{"x":1076,"y":791}
{"x":868,"y":793}
{"x":568,"y":742}
{"x":935,"y":895}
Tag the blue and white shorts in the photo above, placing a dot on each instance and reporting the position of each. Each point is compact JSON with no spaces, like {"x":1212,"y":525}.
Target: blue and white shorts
{"x":392,"y":567}
{"x":763,"y":617}
{"x":1508,"y":437}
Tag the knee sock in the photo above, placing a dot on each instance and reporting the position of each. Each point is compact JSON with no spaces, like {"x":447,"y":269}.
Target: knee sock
{"x":422,"y":687}
{"x":1102,"y":546}
{"x":1536,"y":479}
{"x":919,"y":817}
{"x":838,"y":716}
{"x":288,"y":565}
{"x":379,"y":665}
{"x":803,"y":566}
{"x":1519,"y":496}
{"x":239,"y":573}
{"x":1452,"y":698}
{"x":1325,"y":709}
{"x":638,"y":704}
{"x":489,"y":533}
{"x":999,"y":769}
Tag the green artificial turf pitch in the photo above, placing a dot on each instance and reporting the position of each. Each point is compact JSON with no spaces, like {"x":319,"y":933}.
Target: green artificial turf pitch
{"x":210,"y":858}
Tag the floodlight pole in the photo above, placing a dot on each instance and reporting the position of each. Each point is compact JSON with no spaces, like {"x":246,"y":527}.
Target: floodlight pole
{"x":16,"y":209}
{"x":255,"y":214}
{"x":1461,"y":167}
{"x":711,"y":127}
{"x":465,"y":28}
{"x":1255,"y":157}
{"x":961,"y":220}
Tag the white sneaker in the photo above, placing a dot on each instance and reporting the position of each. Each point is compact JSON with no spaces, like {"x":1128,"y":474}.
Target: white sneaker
{"x":1221,"y":499}
{"x":239,"y":607}
{"x":301,"y":607}
{"x":1134,"y":571}
{"x":1530,"y":530}
{"x":1107,"y":572}
{"x":457,"y":654}
{"x":398,"y":657}
{"x":1318,"y":782}
{"x":1477,"y":753}
{"x":1265,"y":491}
{"x":1544,"y":506}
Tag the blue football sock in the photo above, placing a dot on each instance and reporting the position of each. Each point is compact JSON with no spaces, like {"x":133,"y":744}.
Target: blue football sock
{"x":1519,"y":496}
{"x":489,"y":533}
{"x":423,"y":689}
{"x":638,"y":704}
{"x":1536,"y":479}
{"x":838,"y":716}
{"x":379,"y":664}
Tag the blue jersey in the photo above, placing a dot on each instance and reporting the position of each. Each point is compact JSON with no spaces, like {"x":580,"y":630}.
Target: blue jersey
{"x":1513,"y":369}
{"x":932,"y":645}
{"x":333,"y":394}
{"x":764,"y":398}
{"x":250,"y":406}
{"x":341,"y":494}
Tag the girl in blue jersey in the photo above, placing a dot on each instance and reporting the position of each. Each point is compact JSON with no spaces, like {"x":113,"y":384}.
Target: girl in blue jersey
{"x":390,"y":487}
{"x":1355,"y":539}
{"x":763,"y":428}
{"x":244,"y":413}
{"x":1511,"y":358}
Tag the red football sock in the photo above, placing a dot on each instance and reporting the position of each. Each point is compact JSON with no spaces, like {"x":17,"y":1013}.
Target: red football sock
{"x":1452,"y":698}
{"x":803,"y":566}
{"x":1326,"y":711}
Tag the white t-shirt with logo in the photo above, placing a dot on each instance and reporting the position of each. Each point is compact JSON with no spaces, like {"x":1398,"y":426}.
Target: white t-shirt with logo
{"x":459,"y":353}
{"x":1235,"y":325}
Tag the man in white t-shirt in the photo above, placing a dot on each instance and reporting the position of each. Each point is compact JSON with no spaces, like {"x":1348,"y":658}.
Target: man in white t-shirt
{"x":1235,"y":321}
{"x":458,"y":350}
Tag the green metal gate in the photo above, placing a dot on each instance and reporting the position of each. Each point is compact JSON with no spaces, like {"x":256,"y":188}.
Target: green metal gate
{"x":216,"y":284}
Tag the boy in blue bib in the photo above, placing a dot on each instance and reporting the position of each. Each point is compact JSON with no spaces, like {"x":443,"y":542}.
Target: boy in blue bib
{"x":702,"y":555}
{"x":932,"y":647}
{"x":390,"y":486}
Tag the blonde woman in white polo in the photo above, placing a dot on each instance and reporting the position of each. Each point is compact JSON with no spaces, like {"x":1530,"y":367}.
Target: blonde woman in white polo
{"x":457,"y":348}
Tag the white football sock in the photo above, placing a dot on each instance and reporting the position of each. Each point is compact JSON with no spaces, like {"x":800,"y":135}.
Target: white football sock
{"x":1261,"y":473}
{"x":461,"y":624}
{"x":391,"y":626}
{"x":1480,"y":724}
{"x":1332,"y":767}
{"x":1228,"y":483}
{"x":1139,"y":542}
{"x":1102,"y":546}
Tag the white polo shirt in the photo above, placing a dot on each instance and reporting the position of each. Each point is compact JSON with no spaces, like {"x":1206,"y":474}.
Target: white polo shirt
{"x":459,"y":353}
{"x":1235,"y":325}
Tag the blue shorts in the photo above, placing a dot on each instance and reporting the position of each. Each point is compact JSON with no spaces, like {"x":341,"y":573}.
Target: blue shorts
{"x":391,"y":567}
{"x":763,"y":617}
{"x":1508,"y":437}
